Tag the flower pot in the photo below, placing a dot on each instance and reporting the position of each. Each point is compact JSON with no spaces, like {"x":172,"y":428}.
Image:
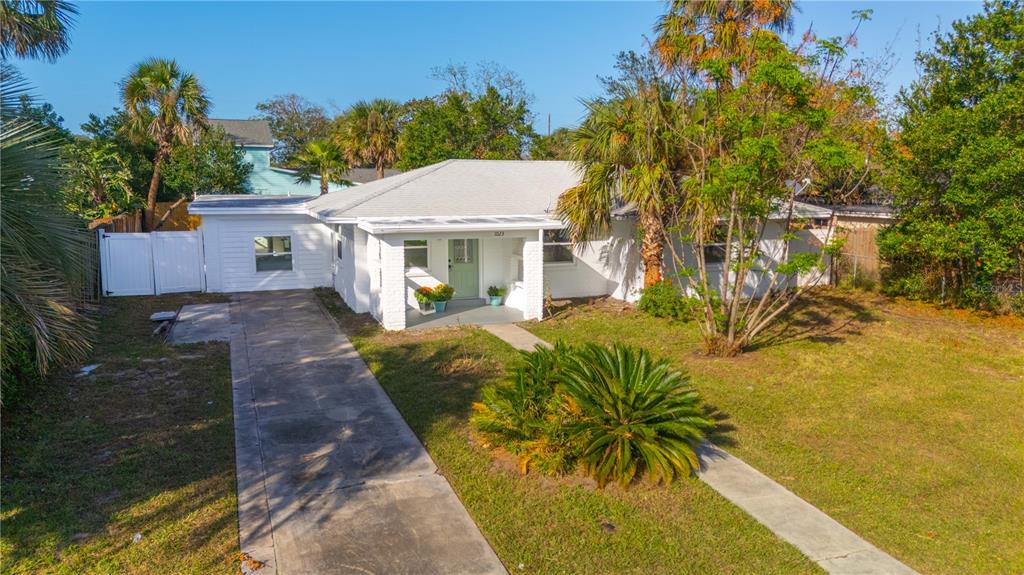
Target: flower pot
{"x":426,"y":307}
{"x":495,"y":300}
{"x":440,"y":305}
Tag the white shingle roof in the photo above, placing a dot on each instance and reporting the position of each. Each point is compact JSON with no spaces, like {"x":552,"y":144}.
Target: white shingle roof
{"x":456,"y":188}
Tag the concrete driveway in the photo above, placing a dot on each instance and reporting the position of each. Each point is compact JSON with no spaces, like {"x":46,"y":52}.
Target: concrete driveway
{"x":330,"y":477}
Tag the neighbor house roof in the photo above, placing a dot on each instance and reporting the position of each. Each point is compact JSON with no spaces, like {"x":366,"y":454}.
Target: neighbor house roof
{"x":246,"y":132}
{"x":455,"y":188}
{"x":366,"y":175}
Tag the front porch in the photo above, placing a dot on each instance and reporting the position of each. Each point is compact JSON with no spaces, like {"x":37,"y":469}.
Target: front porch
{"x":463,"y":312}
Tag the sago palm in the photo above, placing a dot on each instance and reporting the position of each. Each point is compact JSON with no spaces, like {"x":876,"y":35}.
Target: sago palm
{"x":369,"y":132}
{"x":637,"y":414}
{"x":323,"y":159}
{"x":35,"y":29}
{"x":46,"y":253}
{"x":628,"y":154}
{"x":166,"y":105}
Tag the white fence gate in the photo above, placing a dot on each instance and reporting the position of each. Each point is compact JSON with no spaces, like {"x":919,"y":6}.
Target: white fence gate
{"x":151,"y":264}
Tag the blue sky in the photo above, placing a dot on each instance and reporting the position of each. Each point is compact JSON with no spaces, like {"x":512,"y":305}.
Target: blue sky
{"x":337,"y":53}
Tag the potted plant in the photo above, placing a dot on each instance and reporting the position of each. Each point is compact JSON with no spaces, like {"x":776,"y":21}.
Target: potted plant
{"x":495,"y":294}
{"x":442,"y":293}
{"x":425,"y":297}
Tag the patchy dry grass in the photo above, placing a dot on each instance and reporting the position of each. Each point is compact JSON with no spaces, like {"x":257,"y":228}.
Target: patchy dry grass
{"x":144,"y":445}
{"x":539,"y":525}
{"x":901,"y":421}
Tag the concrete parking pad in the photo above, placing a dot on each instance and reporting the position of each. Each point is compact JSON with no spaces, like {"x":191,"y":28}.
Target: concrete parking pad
{"x":201,"y":322}
{"x":330,"y":477}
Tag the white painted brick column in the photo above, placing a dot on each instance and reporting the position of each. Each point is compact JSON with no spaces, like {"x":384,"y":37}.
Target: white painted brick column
{"x":392,"y":279}
{"x":533,"y":276}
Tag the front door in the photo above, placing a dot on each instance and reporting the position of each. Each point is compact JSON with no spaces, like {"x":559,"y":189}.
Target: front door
{"x":464,"y":268}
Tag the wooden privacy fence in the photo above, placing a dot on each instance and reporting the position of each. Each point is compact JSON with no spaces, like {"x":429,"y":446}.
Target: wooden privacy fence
{"x":859,"y":261}
{"x":170,"y":217}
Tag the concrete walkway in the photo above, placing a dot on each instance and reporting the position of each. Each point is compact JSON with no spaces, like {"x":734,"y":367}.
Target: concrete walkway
{"x":330,"y":477}
{"x":824,"y":540}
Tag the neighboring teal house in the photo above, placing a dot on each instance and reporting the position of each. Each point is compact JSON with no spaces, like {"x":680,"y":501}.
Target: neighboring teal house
{"x":254,"y":137}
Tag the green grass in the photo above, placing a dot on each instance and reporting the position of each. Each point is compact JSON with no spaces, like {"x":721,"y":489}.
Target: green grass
{"x":546,"y":525}
{"x":903,"y":422}
{"x":143,"y":446}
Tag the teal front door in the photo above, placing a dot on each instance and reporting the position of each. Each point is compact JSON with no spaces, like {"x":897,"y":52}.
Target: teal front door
{"x":464,"y":268}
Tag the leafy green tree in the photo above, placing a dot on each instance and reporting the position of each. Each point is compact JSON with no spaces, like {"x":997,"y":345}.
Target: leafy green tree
{"x":44,"y":114}
{"x":368,"y":132}
{"x":957,"y":164}
{"x":138,"y":154}
{"x":35,"y":28}
{"x":555,"y":146}
{"x":97,"y":181}
{"x":482,"y":116}
{"x":214,"y":165}
{"x":294,"y":122}
{"x":325,"y":160}
{"x":164,"y":105}
{"x":45,"y":252}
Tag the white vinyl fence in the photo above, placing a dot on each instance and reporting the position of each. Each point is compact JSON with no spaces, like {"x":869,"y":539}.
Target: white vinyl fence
{"x":151,"y":264}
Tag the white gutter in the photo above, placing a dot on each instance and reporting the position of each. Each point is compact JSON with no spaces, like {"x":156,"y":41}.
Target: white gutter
{"x":385,"y":228}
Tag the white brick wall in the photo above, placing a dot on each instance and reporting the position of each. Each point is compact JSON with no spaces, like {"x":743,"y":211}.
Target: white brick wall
{"x":533,"y":277}
{"x":392,"y":292}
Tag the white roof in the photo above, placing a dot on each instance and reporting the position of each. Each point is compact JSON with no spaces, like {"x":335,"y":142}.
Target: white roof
{"x":455,"y":188}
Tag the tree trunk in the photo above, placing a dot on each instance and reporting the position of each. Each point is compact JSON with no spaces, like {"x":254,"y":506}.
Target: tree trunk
{"x":652,"y":247}
{"x":380,"y":170}
{"x":323,"y":183}
{"x":154,"y":184}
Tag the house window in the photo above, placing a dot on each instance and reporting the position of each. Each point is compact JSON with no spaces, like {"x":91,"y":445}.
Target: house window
{"x":341,"y":249}
{"x":417,"y":254}
{"x":557,"y":247}
{"x":714,"y":248}
{"x":273,"y":253}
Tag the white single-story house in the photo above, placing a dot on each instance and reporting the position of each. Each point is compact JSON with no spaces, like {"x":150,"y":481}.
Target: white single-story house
{"x":468,"y":223}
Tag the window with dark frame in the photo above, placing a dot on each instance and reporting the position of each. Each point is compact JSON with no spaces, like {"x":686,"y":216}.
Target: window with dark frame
{"x":273,"y":253}
{"x":557,"y":247}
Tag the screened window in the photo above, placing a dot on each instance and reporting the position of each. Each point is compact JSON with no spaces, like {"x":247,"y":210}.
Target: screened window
{"x":714,"y":248}
{"x":273,"y":253}
{"x":557,"y":247}
{"x":417,"y":254}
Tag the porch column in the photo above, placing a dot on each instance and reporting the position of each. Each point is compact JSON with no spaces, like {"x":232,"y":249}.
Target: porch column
{"x":392,"y":283}
{"x":533,"y":276}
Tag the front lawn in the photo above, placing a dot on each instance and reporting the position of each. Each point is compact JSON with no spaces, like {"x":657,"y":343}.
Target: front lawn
{"x":144,"y":446}
{"x":539,"y":525}
{"x":903,"y":422}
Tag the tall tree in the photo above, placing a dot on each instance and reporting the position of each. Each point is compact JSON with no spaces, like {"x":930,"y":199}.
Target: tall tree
{"x":325,"y":160}
{"x":97,"y":180}
{"x":555,"y":146}
{"x":484,"y":115}
{"x":368,"y":132}
{"x":294,"y":122}
{"x":957,"y":165}
{"x":166,"y":105}
{"x":213,"y":165}
{"x":629,"y":155}
{"x":35,"y":28}
{"x":45,"y":252}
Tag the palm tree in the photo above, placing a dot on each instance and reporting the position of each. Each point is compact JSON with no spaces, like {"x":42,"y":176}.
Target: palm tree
{"x":45,"y":252}
{"x":628,"y":155}
{"x":35,"y":29}
{"x":692,"y":33}
{"x":166,"y":105}
{"x":323,"y":159}
{"x":368,"y":133}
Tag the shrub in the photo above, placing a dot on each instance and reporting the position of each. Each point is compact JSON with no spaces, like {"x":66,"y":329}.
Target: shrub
{"x":523,"y":415}
{"x":663,"y":300}
{"x":615,"y":410}
{"x":636,"y":414}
